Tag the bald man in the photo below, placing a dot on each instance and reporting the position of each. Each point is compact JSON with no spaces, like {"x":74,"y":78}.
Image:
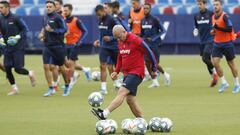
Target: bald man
{"x":131,"y":62}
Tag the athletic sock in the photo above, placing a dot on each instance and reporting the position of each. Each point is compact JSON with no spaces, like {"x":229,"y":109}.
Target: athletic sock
{"x":106,"y":112}
{"x":30,"y":73}
{"x":66,"y":85}
{"x":155,"y":81}
{"x":14,"y":86}
{"x":236,"y":81}
{"x":214,"y":71}
{"x":84,"y":69}
{"x":55,"y":84}
{"x":165,"y":74}
{"x":224,"y":81}
{"x":104,"y":86}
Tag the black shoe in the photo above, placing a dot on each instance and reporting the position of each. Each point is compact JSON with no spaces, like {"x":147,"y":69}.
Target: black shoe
{"x":98,"y":113}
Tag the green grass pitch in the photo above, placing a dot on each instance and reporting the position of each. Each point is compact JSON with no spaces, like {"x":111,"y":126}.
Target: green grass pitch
{"x":194,"y":108}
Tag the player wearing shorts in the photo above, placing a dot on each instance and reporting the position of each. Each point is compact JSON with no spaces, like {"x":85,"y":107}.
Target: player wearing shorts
{"x":151,"y":32}
{"x":223,"y":45}
{"x":132,"y":50}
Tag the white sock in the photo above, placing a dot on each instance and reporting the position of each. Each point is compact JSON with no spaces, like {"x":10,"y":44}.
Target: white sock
{"x":224,"y":81}
{"x":30,"y":73}
{"x":14,"y":86}
{"x":165,"y":74}
{"x":155,"y":81}
{"x":214,"y":71}
{"x":106,"y":112}
{"x":104,"y":86}
{"x":84,"y":69}
{"x":236,"y":81}
{"x":75,"y":73}
{"x":55,"y":84}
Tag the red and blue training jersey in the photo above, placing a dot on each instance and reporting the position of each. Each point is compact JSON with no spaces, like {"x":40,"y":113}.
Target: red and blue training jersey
{"x":131,"y":56}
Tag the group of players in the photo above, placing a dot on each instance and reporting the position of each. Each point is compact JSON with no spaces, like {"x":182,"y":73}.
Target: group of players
{"x":57,"y":25}
{"x":62,"y":34}
{"x":217,"y":36}
{"x":141,"y":23}
{"x":125,"y":46}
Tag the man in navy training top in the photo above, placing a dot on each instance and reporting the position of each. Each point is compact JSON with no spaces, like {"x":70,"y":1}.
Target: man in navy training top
{"x":151,"y":32}
{"x":54,"y":52}
{"x":118,"y":16}
{"x":107,"y":44}
{"x":203,"y":27}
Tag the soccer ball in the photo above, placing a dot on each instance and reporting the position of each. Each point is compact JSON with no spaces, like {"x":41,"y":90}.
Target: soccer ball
{"x":127,"y":125}
{"x":96,"y":75}
{"x":154,"y":124}
{"x":166,"y":125}
{"x":103,"y":127}
{"x":95,"y":99}
{"x":113,"y":125}
{"x":140,"y":126}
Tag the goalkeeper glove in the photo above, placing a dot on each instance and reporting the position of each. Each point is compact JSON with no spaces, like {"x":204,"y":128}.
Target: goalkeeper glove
{"x":13,"y":40}
{"x":2,"y":44}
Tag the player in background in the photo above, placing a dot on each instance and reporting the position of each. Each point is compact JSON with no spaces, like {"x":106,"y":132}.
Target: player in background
{"x":2,"y":46}
{"x":132,"y":50}
{"x":107,"y":44}
{"x":59,"y":7}
{"x":151,"y":32}
{"x":109,"y":10}
{"x":54,"y":29}
{"x":14,"y":33}
{"x":135,"y":17}
{"x":224,"y":36}
{"x":118,"y":16}
{"x":203,"y":27}
{"x":77,"y":32}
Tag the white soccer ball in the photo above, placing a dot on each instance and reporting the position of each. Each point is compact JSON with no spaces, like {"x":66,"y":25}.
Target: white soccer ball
{"x":166,"y":125}
{"x":96,"y":75}
{"x":95,"y":99}
{"x":155,"y":124}
{"x":113,"y":125}
{"x":140,"y":126}
{"x":127,"y":126}
{"x":103,"y":127}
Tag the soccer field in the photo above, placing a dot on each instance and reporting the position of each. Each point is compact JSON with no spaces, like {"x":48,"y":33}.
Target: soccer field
{"x":194,"y":108}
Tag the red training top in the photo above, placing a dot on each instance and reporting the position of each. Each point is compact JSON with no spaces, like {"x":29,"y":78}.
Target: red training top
{"x":131,"y":56}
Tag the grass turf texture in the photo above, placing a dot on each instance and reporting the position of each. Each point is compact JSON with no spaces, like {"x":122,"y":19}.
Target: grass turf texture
{"x":194,"y":108}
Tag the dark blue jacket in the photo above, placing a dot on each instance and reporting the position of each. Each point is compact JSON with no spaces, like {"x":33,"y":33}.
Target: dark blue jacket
{"x":152,"y":28}
{"x":120,"y":19}
{"x":105,"y":26}
{"x":57,"y":23}
{"x":12,"y":25}
{"x":203,"y":22}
